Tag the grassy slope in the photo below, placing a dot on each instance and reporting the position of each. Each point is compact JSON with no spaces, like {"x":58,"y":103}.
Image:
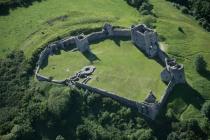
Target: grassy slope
{"x":121,"y":69}
{"x":184,"y":46}
{"x":27,"y":28}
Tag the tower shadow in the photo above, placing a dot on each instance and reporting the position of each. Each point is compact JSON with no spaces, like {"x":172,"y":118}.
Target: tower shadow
{"x":90,"y":56}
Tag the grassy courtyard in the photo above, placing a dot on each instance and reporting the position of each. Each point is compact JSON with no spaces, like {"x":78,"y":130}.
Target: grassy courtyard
{"x":122,"y":69}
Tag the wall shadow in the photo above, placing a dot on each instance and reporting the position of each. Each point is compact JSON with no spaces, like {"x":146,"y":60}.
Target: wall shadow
{"x":117,"y":40}
{"x":188,"y":94}
{"x":156,"y":58}
{"x":44,"y":63}
{"x":162,"y":125}
{"x":90,"y":56}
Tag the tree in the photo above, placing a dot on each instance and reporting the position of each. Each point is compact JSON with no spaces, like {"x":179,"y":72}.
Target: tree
{"x":206,"y":109}
{"x":145,"y":8}
{"x":59,"y":137}
{"x":83,"y":133}
{"x":58,"y":101}
{"x":172,"y":136}
{"x":200,"y":64}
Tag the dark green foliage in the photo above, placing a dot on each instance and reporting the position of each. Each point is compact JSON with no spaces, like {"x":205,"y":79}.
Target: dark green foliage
{"x":200,"y":9}
{"x":206,"y":109}
{"x":50,"y":111}
{"x":135,"y":3}
{"x":150,"y":21}
{"x":200,"y":64}
{"x":184,"y":10}
{"x":59,"y":137}
{"x":144,"y":7}
{"x":189,"y":130}
{"x":6,"y":5}
{"x":36,"y":110}
{"x":16,"y":2}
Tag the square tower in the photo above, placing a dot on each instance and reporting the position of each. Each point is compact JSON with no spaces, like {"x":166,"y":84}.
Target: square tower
{"x":145,"y":39}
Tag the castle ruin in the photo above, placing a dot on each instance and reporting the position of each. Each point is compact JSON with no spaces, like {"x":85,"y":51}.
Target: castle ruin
{"x":144,"y":38}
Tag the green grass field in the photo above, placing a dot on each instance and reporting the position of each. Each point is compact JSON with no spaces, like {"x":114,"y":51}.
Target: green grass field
{"x":122,"y":69}
{"x":185,"y":101}
{"x":32,"y":27}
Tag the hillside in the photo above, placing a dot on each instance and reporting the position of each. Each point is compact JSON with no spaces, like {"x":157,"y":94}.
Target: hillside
{"x":30,"y":109}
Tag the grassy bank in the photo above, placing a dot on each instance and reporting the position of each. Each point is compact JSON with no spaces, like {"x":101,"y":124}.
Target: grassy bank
{"x":30,"y":28}
{"x":184,"y":45}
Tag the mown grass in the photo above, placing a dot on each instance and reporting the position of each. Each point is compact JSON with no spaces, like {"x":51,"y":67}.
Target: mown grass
{"x":186,"y":100}
{"x":121,"y":69}
{"x":32,"y":27}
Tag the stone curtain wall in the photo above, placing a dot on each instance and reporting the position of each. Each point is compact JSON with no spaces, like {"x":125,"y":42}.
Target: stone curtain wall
{"x":138,"y":37}
{"x":148,"y":110}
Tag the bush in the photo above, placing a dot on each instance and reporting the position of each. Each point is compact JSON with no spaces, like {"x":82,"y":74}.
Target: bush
{"x":184,"y":10}
{"x":206,"y":109}
{"x":134,"y":3}
{"x":145,"y":12}
{"x":180,"y":29}
{"x":146,"y":6}
{"x":200,"y":64}
{"x":149,"y":21}
{"x":58,"y":101}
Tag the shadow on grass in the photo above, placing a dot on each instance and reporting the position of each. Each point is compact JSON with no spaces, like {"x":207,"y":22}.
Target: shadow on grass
{"x":156,"y":58}
{"x":90,"y":56}
{"x":162,"y":125}
{"x":188,"y":94}
{"x":116,"y":40}
{"x":44,"y":63}
{"x":5,"y":8}
{"x":205,"y":74}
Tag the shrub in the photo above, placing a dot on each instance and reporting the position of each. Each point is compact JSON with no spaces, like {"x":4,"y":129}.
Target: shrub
{"x":200,"y":64}
{"x":58,"y":101}
{"x":146,"y":6}
{"x":135,"y":3}
{"x":149,"y":21}
{"x":206,"y":109}
{"x":184,"y":10}
{"x":180,"y":29}
{"x":145,"y":12}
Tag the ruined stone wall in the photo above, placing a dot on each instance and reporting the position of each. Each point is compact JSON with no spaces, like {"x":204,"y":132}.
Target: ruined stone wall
{"x":168,"y":90}
{"x":122,"y":32}
{"x":138,"y":39}
{"x":96,"y":36}
{"x":149,"y":110}
{"x":162,"y":56}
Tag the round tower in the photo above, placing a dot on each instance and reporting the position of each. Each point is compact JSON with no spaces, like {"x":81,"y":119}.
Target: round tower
{"x":177,"y":73}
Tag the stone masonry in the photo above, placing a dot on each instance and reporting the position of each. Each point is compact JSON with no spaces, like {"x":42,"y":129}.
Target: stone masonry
{"x":144,"y":38}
